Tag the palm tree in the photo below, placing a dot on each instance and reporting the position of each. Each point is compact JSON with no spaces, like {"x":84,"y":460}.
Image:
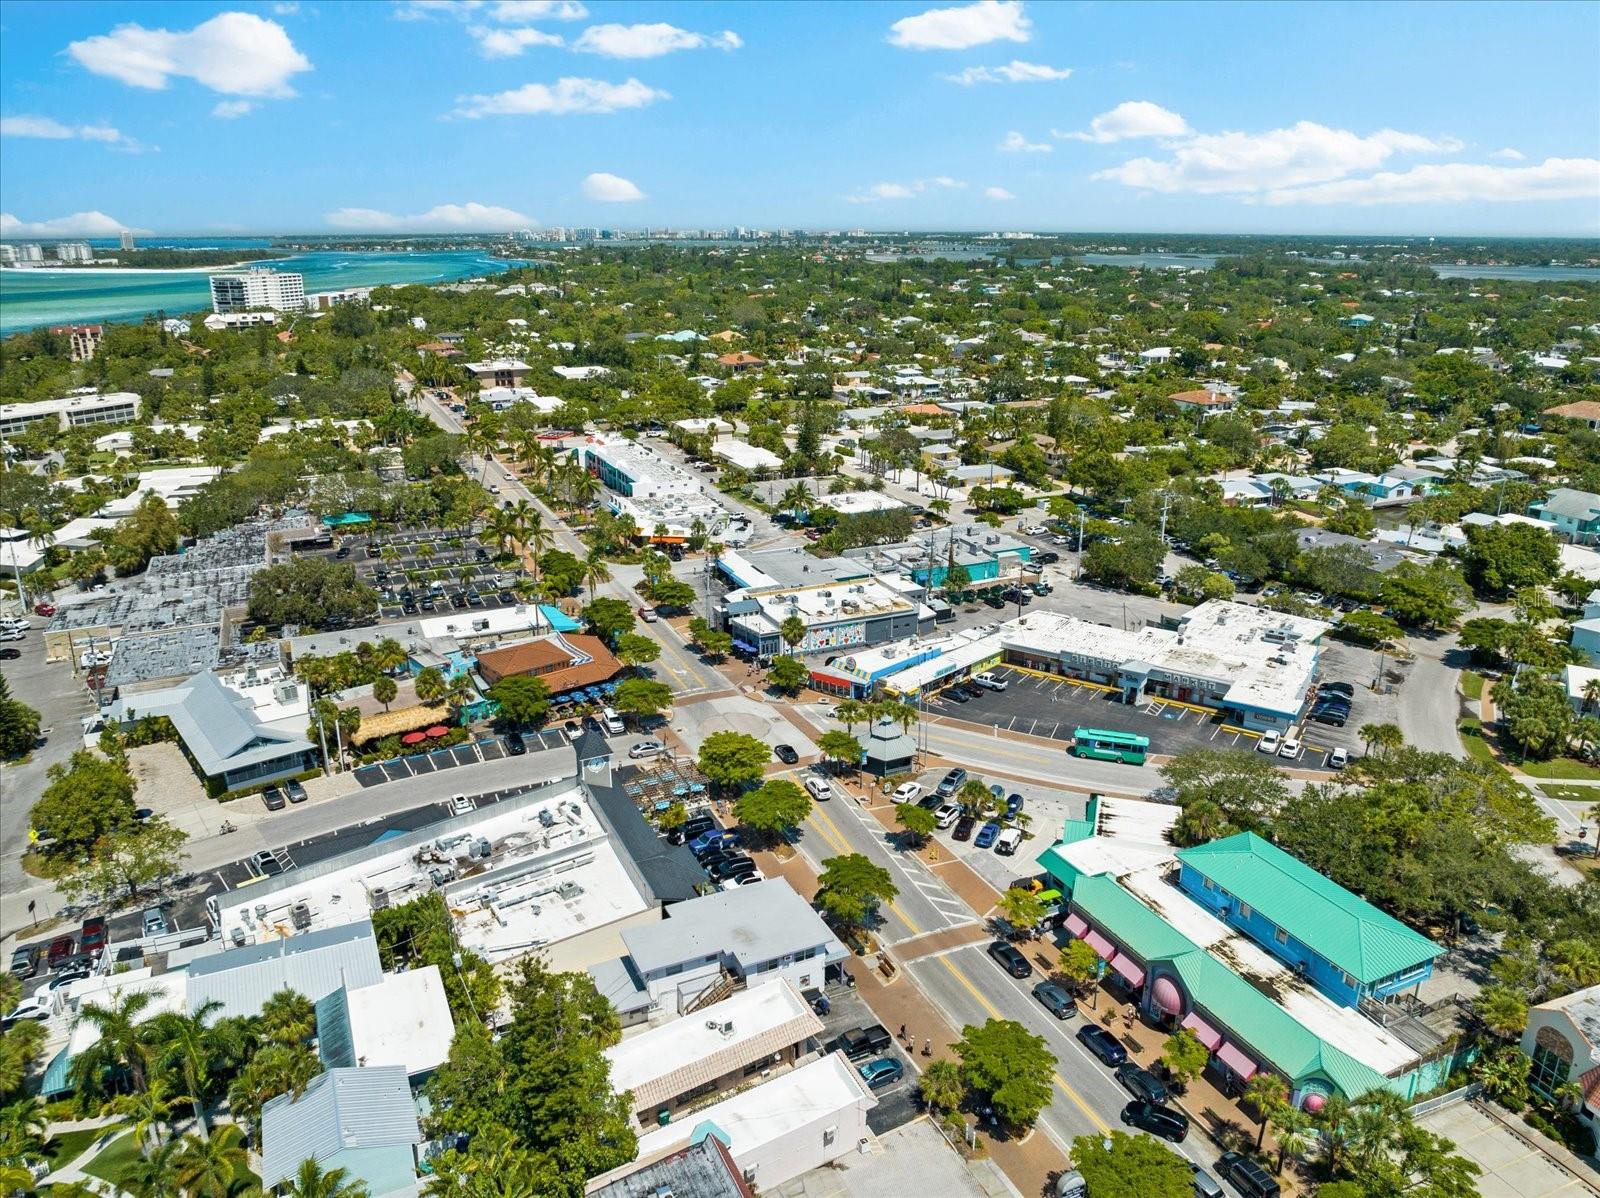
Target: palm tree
{"x":1386,"y":737}
{"x":208,"y":1165}
{"x":796,"y":499}
{"x":22,"y":1129}
{"x":312,"y":1182}
{"x":1375,"y":1124}
{"x":1333,"y":1121}
{"x":536,"y":538}
{"x":155,"y":1174}
{"x":460,"y":691}
{"x":191,"y":1046}
{"x":148,"y":1109}
{"x":430,"y":686}
{"x":389,"y":655}
{"x":288,"y":1018}
{"x":1591,"y":695}
{"x":1265,"y":1093}
{"x":121,"y":1044}
{"x":595,"y":572}
{"x":1292,"y":1128}
{"x":850,"y":712}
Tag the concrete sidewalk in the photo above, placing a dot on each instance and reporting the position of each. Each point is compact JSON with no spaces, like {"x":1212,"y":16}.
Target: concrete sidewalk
{"x":1031,"y":1163}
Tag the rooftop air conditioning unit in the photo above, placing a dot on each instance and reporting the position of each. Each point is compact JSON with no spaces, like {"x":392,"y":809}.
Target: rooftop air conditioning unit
{"x":723,"y":1027}
{"x":379,"y":898}
{"x":300,"y":915}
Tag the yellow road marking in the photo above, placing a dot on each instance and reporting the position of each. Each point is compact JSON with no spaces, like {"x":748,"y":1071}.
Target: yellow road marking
{"x":994,"y":1013}
{"x":838,"y":842}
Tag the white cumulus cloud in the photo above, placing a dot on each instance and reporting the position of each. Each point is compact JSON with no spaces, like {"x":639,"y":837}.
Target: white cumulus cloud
{"x":564,"y":96}
{"x":611,"y":189}
{"x":1510,"y":154}
{"x":1241,"y":163}
{"x":508,"y":43}
{"x":1134,"y":118}
{"x":964,"y":27}
{"x":232,"y":110}
{"x":997,"y":193}
{"x":235,"y":53}
{"x":1456,"y":183}
{"x":49,"y":129}
{"x":79,"y":224}
{"x":446,"y":218}
{"x":650,"y":41}
{"x":904,"y":191}
{"x":1015,"y":71}
{"x":1015,"y":143}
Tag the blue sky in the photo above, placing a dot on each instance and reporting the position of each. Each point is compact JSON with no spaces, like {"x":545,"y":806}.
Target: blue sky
{"x":429,"y":115}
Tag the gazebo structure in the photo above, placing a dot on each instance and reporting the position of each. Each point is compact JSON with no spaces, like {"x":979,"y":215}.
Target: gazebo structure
{"x":889,"y":750}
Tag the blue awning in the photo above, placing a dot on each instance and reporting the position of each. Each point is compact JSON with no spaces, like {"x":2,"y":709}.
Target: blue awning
{"x":558,"y":619}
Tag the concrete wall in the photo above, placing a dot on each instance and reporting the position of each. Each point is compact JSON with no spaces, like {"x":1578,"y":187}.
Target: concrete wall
{"x":577,"y":953}
{"x":770,"y":1165}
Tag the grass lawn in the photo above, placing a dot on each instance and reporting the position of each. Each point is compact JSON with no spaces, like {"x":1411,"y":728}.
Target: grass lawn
{"x":1473,"y":742}
{"x":66,"y":1147}
{"x":1559,"y":767}
{"x":1472,"y":685}
{"x":118,"y":1155}
{"x":1573,"y":794}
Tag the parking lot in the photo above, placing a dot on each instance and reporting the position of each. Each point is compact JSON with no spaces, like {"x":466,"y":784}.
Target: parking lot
{"x":491,"y":749}
{"x":897,"y":1103}
{"x":1049,"y":706}
{"x":443,"y":569}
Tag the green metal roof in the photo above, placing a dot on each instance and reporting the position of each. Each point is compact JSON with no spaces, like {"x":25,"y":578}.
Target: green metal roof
{"x":1140,"y":929}
{"x":1337,"y":925}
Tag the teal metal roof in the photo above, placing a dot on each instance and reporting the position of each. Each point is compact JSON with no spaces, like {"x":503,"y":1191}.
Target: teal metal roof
{"x":1337,"y":925}
{"x":1140,"y":929}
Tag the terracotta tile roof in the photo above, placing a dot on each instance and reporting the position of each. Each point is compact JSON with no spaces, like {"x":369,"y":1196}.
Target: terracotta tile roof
{"x":546,"y":659}
{"x":1202,"y":397}
{"x":740,"y":359}
{"x":1583,"y":409}
{"x":924,"y":409}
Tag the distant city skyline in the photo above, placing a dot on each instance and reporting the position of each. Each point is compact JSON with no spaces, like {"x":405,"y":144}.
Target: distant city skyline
{"x":479,"y":116}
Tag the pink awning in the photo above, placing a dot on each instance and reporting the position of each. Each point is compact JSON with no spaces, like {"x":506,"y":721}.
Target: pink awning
{"x":1100,"y":944}
{"x":1128,"y":968}
{"x":1235,"y":1059}
{"x":1207,"y":1035}
{"x":1076,"y":925}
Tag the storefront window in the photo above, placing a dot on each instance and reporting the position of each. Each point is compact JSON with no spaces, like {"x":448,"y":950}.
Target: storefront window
{"x":1552,"y":1061}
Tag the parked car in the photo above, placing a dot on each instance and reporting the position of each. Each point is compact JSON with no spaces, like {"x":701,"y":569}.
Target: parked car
{"x":65,"y":977}
{"x":1141,"y":1083}
{"x":1055,"y":999}
{"x":740,"y":871}
{"x":1010,"y":959}
{"x":273,"y":798}
{"x":1014,"y":805}
{"x":859,"y":1041}
{"x":819,"y":789}
{"x":92,"y":936}
{"x":648,"y":615}
{"x":44,"y":609}
{"x":990,"y":682}
{"x":1268,"y":743}
{"x":963,"y":828}
{"x":1205,"y":1186}
{"x":1247,"y":1176}
{"x":155,"y":922}
{"x":60,"y":947}
{"x":646,"y":748}
{"x":714,"y":838}
{"x":987,"y":835}
{"x":573,"y":729}
{"x":951,"y":782}
{"x":10,"y":654}
{"x":957,"y":694}
{"x":1334,"y":716}
{"x":690,"y":828}
{"x":1338,"y":759}
{"x":1008,"y":842}
{"x":1156,"y":1119}
{"x":906,"y":792}
{"x":25,"y":961}
{"x":296,"y":791}
{"x":1290,"y":747}
{"x":724,"y":870}
{"x":35,"y":1007}
{"x":1339,"y":688}
{"x":1102,"y":1043}
{"x":884,"y":1071}
{"x":516,"y":745}
{"x":785,"y":754}
{"x":267,"y":863}
{"x":946,"y":814}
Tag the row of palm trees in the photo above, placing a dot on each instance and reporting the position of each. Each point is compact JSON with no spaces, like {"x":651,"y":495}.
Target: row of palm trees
{"x":158,"y":1071}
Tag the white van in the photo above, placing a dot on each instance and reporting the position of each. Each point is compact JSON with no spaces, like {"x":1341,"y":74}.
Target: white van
{"x":612,"y":721}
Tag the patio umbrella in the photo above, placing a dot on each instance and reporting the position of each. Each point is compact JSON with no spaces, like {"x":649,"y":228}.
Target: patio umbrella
{"x":437,"y":730}
{"x":413,"y":738}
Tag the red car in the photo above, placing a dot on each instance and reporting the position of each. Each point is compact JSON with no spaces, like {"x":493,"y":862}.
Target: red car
{"x":93,"y":936}
{"x":60,"y":947}
{"x":44,"y":609}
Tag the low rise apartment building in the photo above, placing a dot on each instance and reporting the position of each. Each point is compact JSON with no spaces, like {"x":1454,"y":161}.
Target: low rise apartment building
{"x":836,"y":616}
{"x":666,"y":502}
{"x":75,"y":410}
{"x":499,"y":372}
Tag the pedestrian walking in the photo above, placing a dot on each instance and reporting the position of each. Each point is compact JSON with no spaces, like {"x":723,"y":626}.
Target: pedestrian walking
{"x":927,"y":1047}
{"x":902,"y":1031}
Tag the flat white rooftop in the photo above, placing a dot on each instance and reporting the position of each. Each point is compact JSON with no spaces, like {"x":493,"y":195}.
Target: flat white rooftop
{"x":746,"y":456}
{"x":741,"y":1025}
{"x":1343,"y":1027}
{"x":850,"y":503}
{"x":827,"y":601}
{"x":403,"y":1020}
{"x":771,"y":1110}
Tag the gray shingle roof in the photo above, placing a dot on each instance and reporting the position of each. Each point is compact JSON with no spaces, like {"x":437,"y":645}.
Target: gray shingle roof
{"x":341,"y":1109}
{"x":750,"y":924}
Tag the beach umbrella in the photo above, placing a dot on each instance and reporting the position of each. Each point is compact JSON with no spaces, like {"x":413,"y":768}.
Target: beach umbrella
{"x":413,"y":738}
{"x":438,"y":730}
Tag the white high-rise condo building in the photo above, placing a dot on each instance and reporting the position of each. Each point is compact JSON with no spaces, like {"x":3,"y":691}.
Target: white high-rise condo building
{"x":74,"y":251}
{"x":259,"y":287}
{"x":127,"y":239}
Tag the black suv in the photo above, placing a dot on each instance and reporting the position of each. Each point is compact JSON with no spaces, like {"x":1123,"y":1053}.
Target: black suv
{"x":859,"y":1041}
{"x":1010,"y":959}
{"x":1102,"y":1043}
{"x":1141,"y":1083}
{"x":691,"y":828}
{"x":1157,"y":1120}
{"x":1249,"y":1178}
{"x":963,"y":828}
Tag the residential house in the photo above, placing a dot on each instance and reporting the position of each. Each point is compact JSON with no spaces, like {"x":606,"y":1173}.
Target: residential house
{"x":702,"y":1169}
{"x":1205,"y":401}
{"x":1563,"y":1041}
{"x":363,"y":1121}
{"x":1573,"y":515}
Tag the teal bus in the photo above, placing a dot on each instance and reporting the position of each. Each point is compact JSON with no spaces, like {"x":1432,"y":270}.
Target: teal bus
{"x":1101,"y":745}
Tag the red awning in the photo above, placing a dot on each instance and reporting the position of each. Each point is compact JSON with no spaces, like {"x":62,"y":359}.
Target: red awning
{"x":1208,"y":1035}
{"x":1128,"y":968}
{"x":1076,"y":925}
{"x":1100,"y":944}
{"x":1234,"y":1058}
{"x":831,"y":680}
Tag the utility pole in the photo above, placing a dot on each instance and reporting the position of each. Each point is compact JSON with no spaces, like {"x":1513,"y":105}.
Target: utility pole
{"x":1166,"y":501}
{"x":322,"y":737}
{"x":1080,"y":532}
